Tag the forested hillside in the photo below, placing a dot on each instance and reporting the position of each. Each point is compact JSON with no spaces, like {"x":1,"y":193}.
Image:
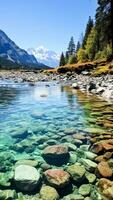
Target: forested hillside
{"x":97,"y":40}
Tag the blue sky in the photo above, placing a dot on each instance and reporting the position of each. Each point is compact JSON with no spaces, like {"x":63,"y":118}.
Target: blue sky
{"x":51,"y":23}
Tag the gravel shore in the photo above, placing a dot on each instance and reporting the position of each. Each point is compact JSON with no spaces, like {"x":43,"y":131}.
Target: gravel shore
{"x":102,"y":85}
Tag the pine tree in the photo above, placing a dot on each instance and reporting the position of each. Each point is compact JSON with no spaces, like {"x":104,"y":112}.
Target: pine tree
{"x":62,"y":60}
{"x":71,"y":47}
{"x":103,"y":23}
{"x":92,"y":44}
{"x":81,"y":55}
{"x":72,"y":59}
{"x":66,"y":57}
{"x":78,"y":46}
{"x":89,"y":27}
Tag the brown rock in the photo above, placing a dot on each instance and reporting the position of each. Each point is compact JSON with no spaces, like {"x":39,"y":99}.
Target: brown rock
{"x":100,"y":159}
{"x":96,"y":148}
{"x":109,"y":193}
{"x":108,"y":155}
{"x":56,"y":154}
{"x":104,"y":183}
{"x":106,"y":187}
{"x":104,"y":158}
{"x":107,"y":146}
{"x":104,"y":170}
{"x":79,"y":137}
{"x":57,"y":177}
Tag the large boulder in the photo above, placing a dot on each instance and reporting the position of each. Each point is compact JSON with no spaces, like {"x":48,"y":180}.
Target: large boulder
{"x":56,"y":155}
{"x":77,"y":172}
{"x":26,"y":178}
{"x":57,"y":178}
{"x":49,"y":193}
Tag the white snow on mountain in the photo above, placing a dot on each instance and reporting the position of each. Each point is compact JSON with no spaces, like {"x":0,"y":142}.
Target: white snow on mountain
{"x":44,"y":55}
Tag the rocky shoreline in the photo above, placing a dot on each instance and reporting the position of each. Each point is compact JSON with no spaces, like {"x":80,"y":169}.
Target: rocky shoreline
{"x":101,"y":86}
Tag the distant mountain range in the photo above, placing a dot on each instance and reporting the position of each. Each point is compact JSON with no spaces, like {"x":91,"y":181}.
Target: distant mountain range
{"x":46,"y":56}
{"x":10,"y":51}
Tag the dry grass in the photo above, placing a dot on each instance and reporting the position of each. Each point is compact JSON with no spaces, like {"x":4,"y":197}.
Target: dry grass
{"x":103,"y":69}
{"x":95,"y":68}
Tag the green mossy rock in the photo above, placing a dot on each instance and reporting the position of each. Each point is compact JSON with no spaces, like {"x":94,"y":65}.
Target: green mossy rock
{"x":85,"y":189}
{"x":8,"y":195}
{"x":48,"y":193}
{"x":77,"y":172}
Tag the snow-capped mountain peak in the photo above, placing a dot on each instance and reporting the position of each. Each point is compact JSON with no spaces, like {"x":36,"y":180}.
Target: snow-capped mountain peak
{"x":48,"y":57}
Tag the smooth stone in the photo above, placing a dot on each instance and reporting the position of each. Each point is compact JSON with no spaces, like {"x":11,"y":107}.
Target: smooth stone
{"x":90,"y":177}
{"x":77,"y":172}
{"x":42,"y":138}
{"x":75,"y":86}
{"x":80,"y":136}
{"x":71,"y":147}
{"x":85,"y":189}
{"x":51,"y":142}
{"x":73,"y":197}
{"x":96,"y":148}
{"x":38,"y":115}
{"x":73,"y":158}
{"x":106,"y":187}
{"x":33,"y":163}
{"x":104,"y":170}
{"x":90,"y":155}
{"x":45,"y":166}
{"x":104,"y":183}
{"x":89,"y":165}
{"x":77,"y":142}
{"x":57,"y":178}
{"x":26,"y":178}
{"x":49,"y":193}
{"x":84,"y":147}
{"x":56,"y":155}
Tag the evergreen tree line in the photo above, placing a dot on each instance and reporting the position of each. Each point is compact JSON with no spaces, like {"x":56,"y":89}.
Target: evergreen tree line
{"x":97,"y":41}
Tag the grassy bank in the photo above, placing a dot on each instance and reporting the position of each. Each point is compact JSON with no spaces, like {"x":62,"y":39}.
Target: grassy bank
{"x":95,"y":68}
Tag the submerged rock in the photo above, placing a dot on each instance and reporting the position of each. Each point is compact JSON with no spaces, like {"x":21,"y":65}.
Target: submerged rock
{"x":90,"y":177}
{"x":77,"y":172}
{"x":49,"y":193}
{"x":73,"y":197}
{"x":104,"y":170}
{"x":33,"y":163}
{"x":57,"y":178}
{"x":73,"y":158}
{"x":56,"y":154}
{"x":7,"y":195}
{"x":26,"y":178}
{"x":90,"y":155}
{"x":106,"y":187}
{"x":5,"y":178}
{"x":89,"y":165}
{"x":85,"y":189}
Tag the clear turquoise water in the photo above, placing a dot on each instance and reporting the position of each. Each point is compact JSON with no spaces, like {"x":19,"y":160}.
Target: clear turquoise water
{"x":40,"y":110}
